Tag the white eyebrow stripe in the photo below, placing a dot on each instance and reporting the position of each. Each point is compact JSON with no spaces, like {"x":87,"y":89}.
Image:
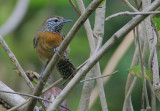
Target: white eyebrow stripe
{"x":50,"y":19}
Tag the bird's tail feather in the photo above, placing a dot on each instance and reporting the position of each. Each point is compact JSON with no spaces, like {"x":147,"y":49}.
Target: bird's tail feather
{"x":66,"y":68}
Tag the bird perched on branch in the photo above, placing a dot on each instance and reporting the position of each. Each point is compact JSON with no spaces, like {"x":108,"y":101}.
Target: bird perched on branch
{"x":47,"y":41}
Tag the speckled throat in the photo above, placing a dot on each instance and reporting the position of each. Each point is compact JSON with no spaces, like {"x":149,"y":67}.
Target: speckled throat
{"x":53,"y":28}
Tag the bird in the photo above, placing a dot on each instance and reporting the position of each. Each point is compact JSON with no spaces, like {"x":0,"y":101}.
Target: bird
{"x":47,"y":41}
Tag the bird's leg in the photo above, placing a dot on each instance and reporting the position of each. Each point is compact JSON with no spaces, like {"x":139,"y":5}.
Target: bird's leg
{"x":40,"y":77}
{"x":56,"y":51}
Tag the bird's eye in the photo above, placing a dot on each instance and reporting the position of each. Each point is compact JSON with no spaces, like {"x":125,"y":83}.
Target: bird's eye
{"x":55,"y":20}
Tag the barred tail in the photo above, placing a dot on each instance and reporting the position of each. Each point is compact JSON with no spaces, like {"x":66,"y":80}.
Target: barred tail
{"x":65,"y":67}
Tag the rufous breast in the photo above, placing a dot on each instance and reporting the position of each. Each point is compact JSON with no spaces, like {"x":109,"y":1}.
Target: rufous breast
{"x":46,"y":43}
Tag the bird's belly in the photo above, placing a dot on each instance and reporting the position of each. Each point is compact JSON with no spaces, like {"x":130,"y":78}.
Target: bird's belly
{"x":47,"y":42}
{"x":45,"y":52}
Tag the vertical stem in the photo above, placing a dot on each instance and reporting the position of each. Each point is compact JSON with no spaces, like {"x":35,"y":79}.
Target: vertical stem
{"x":88,"y":86}
{"x":142,"y":69}
{"x":112,"y":63}
{"x":99,"y":31}
{"x":153,"y":60}
{"x":128,"y":95}
{"x":127,"y":101}
{"x":153,"y":97}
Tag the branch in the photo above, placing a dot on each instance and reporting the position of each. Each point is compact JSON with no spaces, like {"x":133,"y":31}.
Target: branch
{"x":131,"y":80}
{"x":137,"y":5}
{"x":88,"y":86}
{"x":96,"y":57}
{"x":142,"y":70}
{"x":153,"y":97}
{"x":153,"y":60}
{"x":15,"y":18}
{"x":23,"y":94}
{"x":93,"y":5}
{"x":99,"y":32}
{"x":128,"y":95}
{"x":87,"y":28}
{"x":127,"y":13}
{"x":99,"y":77}
{"x":75,"y":8}
{"x":9,"y":98}
{"x":15,"y":62}
{"x":52,"y":85}
{"x":112,"y":63}
{"x":133,"y":8}
{"x":18,"y":106}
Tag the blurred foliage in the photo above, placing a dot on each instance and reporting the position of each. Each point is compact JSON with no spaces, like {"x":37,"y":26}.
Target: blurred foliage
{"x":20,"y":42}
{"x":157,"y":22}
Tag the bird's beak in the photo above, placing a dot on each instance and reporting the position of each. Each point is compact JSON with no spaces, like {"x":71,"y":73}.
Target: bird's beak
{"x":66,"y":20}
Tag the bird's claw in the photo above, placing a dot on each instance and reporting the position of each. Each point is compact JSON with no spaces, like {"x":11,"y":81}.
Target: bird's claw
{"x":56,"y":51}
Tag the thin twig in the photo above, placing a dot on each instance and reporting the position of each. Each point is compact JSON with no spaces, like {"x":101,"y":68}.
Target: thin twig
{"x":65,"y":108}
{"x":96,"y":57}
{"x":79,"y":67}
{"x":52,"y":85}
{"x":140,"y":5}
{"x":132,"y":7}
{"x":135,"y":40}
{"x":75,"y":8}
{"x":15,"y":62}
{"x":42,"y":105}
{"x":153,"y":97}
{"x":127,"y":13}
{"x":136,"y":2}
{"x":87,"y":28}
{"x":128,"y":94}
{"x":143,"y":100}
{"x":99,"y":77}
{"x":28,"y":95}
{"x":18,"y":106}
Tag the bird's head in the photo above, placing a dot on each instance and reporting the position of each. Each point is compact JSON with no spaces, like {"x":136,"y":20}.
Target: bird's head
{"x":54,"y":24}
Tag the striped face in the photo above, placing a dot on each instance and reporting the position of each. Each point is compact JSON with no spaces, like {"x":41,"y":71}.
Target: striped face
{"x":55,"y":24}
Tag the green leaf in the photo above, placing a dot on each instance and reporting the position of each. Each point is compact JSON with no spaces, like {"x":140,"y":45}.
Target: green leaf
{"x":157,"y":22}
{"x":102,"y":3}
{"x":35,"y":81}
{"x":136,"y":71}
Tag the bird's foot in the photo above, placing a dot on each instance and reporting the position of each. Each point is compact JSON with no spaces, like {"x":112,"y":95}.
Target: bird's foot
{"x":56,"y":51}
